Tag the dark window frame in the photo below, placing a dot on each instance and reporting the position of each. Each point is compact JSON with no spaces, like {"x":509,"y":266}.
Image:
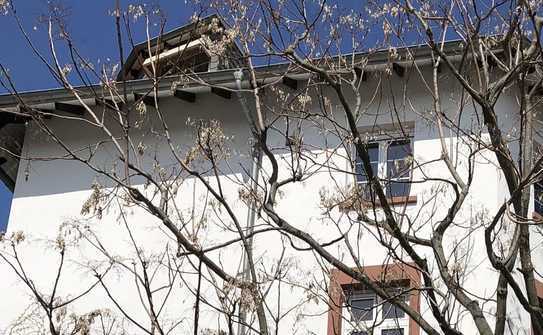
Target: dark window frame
{"x":392,"y":331}
{"x":381,"y":166}
{"x":538,"y":186}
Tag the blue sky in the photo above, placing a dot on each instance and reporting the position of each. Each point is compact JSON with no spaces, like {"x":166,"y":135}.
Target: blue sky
{"x":90,"y":24}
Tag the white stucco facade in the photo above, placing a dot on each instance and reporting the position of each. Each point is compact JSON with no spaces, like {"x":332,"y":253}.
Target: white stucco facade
{"x":51,"y":192}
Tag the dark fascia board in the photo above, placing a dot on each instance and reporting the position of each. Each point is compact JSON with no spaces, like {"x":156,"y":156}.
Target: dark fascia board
{"x":179,"y":31}
{"x":217,"y":78}
{"x":139,"y":86}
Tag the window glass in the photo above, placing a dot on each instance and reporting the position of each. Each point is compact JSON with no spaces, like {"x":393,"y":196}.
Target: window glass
{"x":398,"y":168}
{"x":391,"y":311}
{"x":373,"y":151}
{"x":367,"y":309}
{"x":362,"y":308}
{"x":394,"y":169}
{"x":538,"y":197}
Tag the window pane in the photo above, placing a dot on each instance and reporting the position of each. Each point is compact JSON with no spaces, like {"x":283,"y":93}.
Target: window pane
{"x":398,"y":159}
{"x":538,"y":197}
{"x":399,"y":150}
{"x":359,"y":332}
{"x":362,"y":309}
{"x":398,"y":168}
{"x":397,"y":331}
{"x":391,"y":311}
{"x":398,"y":188}
{"x":361,"y":174}
{"x":373,"y":152}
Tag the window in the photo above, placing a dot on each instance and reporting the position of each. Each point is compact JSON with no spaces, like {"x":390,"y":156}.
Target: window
{"x":398,"y":167}
{"x":363,"y":306}
{"x":361,"y":177}
{"x":395,"y":331}
{"x":373,"y":151}
{"x":391,"y":161}
{"x":355,"y":310}
{"x":194,"y":59}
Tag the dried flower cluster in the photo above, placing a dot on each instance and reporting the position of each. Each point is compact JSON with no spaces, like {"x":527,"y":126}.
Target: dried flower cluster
{"x":93,"y":205}
{"x":5,"y":6}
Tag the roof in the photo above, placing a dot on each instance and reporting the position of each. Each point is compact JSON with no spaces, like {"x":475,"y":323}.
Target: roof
{"x":375,"y":62}
{"x":174,"y":37}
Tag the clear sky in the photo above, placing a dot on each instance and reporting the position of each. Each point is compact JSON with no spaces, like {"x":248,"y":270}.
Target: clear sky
{"x":91,"y":27}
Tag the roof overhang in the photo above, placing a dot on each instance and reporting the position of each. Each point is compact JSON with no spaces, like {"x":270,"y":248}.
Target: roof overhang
{"x":417,"y":55}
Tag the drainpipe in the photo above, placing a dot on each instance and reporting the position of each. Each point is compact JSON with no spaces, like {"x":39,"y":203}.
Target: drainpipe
{"x":251,"y":210}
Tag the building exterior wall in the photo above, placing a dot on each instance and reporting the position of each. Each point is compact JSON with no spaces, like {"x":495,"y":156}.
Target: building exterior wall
{"x":50,"y":193}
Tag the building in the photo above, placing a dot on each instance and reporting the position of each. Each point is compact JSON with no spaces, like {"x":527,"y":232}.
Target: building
{"x":53,"y":192}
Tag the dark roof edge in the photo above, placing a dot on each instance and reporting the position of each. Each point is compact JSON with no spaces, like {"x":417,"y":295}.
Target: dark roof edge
{"x":374,"y":58}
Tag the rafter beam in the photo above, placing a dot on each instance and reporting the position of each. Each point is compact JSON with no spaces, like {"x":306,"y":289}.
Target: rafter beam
{"x":361,"y":74}
{"x":70,"y":108}
{"x":398,"y":69}
{"x":147,"y":99}
{"x":225,"y":94}
{"x":185,"y":95}
{"x":290,"y":83}
{"x":29,"y":111}
{"x":7,"y":118}
{"x":108,"y":103}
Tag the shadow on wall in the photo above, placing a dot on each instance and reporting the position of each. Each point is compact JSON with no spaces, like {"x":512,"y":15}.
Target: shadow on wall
{"x":47,"y":177}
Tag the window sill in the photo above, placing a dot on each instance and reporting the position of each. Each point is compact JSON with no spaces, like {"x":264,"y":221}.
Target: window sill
{"x":392,"y":202}
{"x":397,"y":201}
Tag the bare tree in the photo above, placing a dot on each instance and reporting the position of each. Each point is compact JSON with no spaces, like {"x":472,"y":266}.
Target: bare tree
{"x":340,"y":75}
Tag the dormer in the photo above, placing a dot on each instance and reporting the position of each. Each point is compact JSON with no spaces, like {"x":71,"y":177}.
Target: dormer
{"x":201,"y":46}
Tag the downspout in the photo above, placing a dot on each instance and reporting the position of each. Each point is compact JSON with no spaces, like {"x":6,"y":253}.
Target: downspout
{"x":256,"y":165}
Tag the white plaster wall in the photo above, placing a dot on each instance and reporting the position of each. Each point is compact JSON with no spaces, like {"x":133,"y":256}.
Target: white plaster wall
{"x":51,"y":192}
